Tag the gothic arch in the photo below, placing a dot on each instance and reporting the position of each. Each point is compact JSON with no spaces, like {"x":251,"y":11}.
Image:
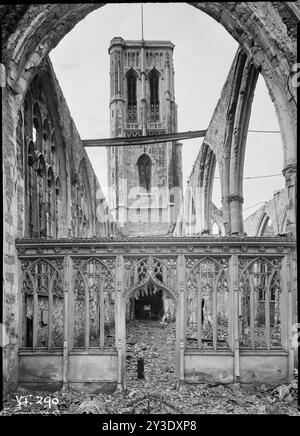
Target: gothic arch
{"x":246,"y":265}
{"x":205,"y":183}
{"x":144,"y":167}
{"x":189,"y":215}
{"x":153,"y":270}
{"x":248,"y":23}
{"x":225,"y":143}
{"x":93,"y":287}
{"x":42,"y":287}
{"x":258,"y":27}
{"x":154,"y":82}
{"x":208,"y":302}
{"x":44,"y":161}
{"x":85,"y":185}
{"x":131,"y":77}
{"x":238,"y":116}
{"x":27,"y":266}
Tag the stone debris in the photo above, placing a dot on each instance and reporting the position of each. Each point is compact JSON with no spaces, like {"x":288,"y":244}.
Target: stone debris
{"x":158,"y":392}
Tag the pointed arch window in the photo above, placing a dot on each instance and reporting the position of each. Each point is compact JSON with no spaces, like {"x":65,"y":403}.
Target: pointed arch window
{"x":37,"y":127}
{"x":144,"y":170}
{"x":57,"y":204}
{"x":41,"y":187}
{"x":43,"y":162}
{"x":131,"y":96}
{"x":154,"y":95}
{"x":50,"y":203}
{"x":32,"y":191}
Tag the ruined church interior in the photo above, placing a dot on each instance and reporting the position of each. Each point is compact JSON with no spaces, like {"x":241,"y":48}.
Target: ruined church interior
{"x":159,"y":261}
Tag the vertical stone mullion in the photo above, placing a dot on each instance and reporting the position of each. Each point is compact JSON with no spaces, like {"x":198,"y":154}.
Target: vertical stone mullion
{"x":252,"y":314}
{"x":22,"y":306}
{"x":35,"y":312}
{"x":234,"y":313}
{"x":50,"y":310}
{"x":120,"y":320}
{"x":101,"y":310}
{"x":286,"y":279}
{"x":180,"y":318}
{"x":267,"y":313}
{"x":87,"y":314}
{"x":199,"y":311}
{"x":67,"y":280}
{"x":284,"y":309}
{"x":215,"y":286}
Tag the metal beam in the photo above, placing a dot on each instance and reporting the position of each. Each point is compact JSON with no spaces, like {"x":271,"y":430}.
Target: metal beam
{"x":142,"y":140}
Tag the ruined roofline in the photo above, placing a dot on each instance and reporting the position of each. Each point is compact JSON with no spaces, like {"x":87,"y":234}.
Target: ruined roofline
{"x":139,"y":43}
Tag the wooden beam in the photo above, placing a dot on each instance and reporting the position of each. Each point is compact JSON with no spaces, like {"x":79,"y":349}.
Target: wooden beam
{"x":143,"y":140}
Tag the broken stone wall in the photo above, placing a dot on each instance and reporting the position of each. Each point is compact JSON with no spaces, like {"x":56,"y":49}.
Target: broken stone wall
{"x":275,"y":209}
{"x":100,"y":221}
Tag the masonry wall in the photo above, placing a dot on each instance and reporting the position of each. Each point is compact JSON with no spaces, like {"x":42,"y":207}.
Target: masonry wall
{"x":78,"y":172}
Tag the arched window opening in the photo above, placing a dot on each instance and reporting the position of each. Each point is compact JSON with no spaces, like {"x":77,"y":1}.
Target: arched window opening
{"x":41,"y":188}
{"x":52,"y":143}
{"x":131,"y":96}
{"x":43,"y":161}
{"x":28,"y":116}
{"x":193,"y":209}
{"x":31,"y":154}
{"x":32,"y":186}
{"x":20,"y":142}
{"x":46,"y":132}
{"x":144,"y":170}
{"x":215,"y":229}
{"x":57,"y":186}
{"x":50,"y":204}
{"x":37,"y":127}
{"x":46,"y":138}
{"x":40,"y":165}
{"x":268,"y":228}
{"x":57,"y":205}
{"x":154,"y":95}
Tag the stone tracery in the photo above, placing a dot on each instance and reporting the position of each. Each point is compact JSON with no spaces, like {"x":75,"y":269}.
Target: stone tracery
{"x":44,"y":152}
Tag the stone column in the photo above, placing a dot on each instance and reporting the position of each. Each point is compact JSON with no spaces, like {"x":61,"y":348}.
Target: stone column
{"x":287,"y":313}
{"x":180,"y":320}
{"x":120,"y":321}
{"x":68,"y":319}
{"x":235,"y":202}
{"x":290,"y":174}
{"x":225,"y":193}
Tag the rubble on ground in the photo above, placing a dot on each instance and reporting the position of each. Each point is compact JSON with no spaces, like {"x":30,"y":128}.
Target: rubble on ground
{"x":158,"y":391}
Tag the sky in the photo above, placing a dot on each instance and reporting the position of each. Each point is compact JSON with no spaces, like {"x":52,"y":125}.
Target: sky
{"x":203,"y":54}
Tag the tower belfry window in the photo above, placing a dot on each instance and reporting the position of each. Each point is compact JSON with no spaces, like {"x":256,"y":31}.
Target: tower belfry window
{"x":154,"y":95}
{"x":131,"y":96}
{"x":144,"y":170}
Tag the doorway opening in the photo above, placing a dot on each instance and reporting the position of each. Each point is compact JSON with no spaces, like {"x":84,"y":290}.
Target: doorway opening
{"x":151,"y":338}
{"x":148,"y":304}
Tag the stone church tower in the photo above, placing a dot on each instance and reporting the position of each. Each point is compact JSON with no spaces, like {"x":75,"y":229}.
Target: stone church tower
{"x":145,"y":182}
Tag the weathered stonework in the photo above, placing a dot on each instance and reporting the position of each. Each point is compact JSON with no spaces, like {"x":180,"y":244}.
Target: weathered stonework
{"x":142,"y":102}
{"x":99,"y":218}
{"x":266,"y":32}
